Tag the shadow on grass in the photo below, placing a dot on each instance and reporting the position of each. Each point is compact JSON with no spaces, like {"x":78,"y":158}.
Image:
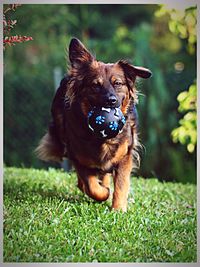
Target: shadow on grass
{"x":22,"y":190}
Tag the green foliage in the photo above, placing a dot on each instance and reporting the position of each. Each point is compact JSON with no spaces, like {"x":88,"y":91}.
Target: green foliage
{"x":186,"y":133}
{"x":182,"y":23}
{"x":47,"y":219}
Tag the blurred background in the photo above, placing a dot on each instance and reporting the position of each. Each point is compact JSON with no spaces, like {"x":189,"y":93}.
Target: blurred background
{"x":161,"y":38}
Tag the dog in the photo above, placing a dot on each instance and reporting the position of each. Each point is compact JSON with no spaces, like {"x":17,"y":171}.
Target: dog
{"x":92,"y":83}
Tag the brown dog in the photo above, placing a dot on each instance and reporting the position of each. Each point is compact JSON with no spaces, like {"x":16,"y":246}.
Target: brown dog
{"x":92,"y":83}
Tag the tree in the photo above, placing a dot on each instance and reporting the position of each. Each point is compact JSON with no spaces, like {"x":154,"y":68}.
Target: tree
{"x":8,"y":25}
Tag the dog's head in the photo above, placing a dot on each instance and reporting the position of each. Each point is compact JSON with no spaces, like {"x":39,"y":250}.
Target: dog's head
{"x":95,"y":83}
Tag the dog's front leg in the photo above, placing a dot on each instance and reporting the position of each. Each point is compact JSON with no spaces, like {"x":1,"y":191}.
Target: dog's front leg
{"x":105,"y":180}
{"x":89,"y":183}
{"x":122,"y":183}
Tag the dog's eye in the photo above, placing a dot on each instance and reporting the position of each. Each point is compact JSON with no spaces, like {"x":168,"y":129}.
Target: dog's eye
{"x":117,"y":83}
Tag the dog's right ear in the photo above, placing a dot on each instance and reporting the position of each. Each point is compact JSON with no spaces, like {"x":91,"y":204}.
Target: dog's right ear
{"x":78,"y":54}
{"x":133,"y":71}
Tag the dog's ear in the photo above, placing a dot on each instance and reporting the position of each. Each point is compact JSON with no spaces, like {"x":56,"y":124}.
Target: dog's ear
{"x":133,"y":71}
{"x":78,"y":54}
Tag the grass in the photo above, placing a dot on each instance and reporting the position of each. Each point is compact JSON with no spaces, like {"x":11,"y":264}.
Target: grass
{"x":47,"y":219}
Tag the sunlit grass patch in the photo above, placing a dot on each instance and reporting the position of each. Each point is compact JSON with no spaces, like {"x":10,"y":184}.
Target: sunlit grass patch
{"x":47,"y":219}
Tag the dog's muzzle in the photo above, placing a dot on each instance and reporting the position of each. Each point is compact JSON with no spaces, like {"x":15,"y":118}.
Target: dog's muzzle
{"x":110,"y":101}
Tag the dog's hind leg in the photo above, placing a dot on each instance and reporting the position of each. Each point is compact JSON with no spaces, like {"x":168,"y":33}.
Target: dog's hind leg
{"x":81,"y":185}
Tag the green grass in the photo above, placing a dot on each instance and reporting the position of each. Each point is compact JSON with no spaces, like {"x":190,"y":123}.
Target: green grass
{"x":47,"y":219}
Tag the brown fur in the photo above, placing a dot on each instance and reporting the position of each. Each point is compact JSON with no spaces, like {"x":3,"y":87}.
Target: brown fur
{"x":90,"y":83}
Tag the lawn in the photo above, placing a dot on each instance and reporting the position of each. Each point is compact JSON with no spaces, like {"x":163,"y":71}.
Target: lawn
{"x":47,"y":219}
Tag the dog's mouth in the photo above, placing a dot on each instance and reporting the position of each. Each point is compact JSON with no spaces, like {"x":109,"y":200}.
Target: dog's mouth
{"x":89,"y":102}
{"x":99,"y":101}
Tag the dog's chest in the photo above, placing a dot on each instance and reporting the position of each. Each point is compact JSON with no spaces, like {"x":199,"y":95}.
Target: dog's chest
{"x":90,"y":152}
{"x":103,"y":156}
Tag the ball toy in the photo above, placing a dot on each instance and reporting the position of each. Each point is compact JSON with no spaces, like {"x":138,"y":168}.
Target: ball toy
{"x":106,"y":122}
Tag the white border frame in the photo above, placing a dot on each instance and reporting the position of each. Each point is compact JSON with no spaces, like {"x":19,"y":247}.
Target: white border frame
{"x":175,"y":3}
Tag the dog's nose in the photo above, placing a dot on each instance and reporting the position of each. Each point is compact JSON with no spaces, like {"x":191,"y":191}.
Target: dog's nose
{"x":112,"y":100}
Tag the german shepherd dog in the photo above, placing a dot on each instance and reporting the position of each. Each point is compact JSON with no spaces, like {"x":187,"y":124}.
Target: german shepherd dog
{"x":92,"y":83}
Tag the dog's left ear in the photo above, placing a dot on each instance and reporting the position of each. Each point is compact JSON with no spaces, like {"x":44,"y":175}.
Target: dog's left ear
{"x":133,"y":71}
{"x":78,"y":54}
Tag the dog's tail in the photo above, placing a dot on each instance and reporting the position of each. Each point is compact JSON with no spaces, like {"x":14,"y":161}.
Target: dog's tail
{"x":49,"y":149}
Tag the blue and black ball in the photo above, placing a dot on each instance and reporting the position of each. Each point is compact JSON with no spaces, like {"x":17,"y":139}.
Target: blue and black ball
{"x":106,"y":123}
